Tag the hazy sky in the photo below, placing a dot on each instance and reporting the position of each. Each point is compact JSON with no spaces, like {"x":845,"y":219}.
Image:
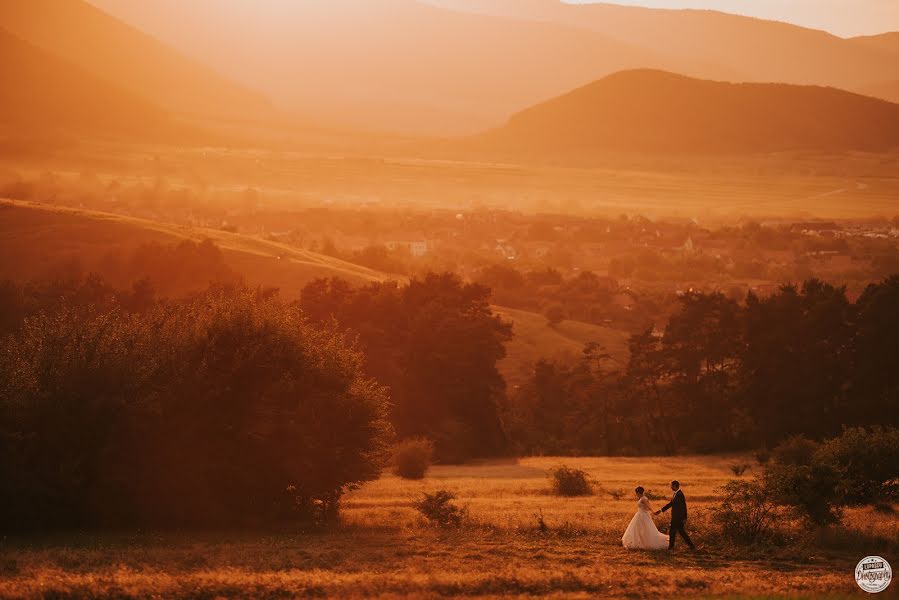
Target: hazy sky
{"x":842,"y":17}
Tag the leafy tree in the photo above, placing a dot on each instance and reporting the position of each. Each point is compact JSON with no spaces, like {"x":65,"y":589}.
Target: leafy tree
{"x":435,"y":342}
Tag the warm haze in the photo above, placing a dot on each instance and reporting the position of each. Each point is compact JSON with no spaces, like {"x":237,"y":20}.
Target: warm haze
{"x":438,"y":298}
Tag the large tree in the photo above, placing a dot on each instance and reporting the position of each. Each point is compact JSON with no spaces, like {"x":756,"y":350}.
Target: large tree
{"x":435,"y":342}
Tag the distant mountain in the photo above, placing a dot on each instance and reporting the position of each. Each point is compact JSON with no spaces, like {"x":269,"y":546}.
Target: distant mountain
{"x":886,"y":90}
{"x":44,"y":95}
{"x":650,"y":111}
{"x":127,"y":58}
{"x":884,"y":41}
{"x":396,"y":65}
{"x":717,"y":45}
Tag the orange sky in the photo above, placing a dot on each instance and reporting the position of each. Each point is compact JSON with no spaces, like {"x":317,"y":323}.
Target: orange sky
{"x":842,"y":17}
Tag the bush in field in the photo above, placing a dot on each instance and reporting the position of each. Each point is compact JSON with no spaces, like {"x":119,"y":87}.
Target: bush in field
{"x":739,"y":469}
{"x":570,"y":482}
{"x":555,"y":314}
{"x":226,"y":409}
{"x":811,"y":490}
{"x":412,"y":457}
{"x":438,"y":509}
{"x":747,"y":514}
{"x":617,"y":494}
{"x":762,"y":456}
{"x":795,"y":450}
{"x":868,"y":463}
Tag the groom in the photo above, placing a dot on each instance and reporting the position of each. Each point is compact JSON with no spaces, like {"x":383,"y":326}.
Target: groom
{"x":678,"y":506}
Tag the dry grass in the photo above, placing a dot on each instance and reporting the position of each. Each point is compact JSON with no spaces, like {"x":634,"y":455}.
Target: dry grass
{"x":535,"y":338}
{"x":383,"y":549}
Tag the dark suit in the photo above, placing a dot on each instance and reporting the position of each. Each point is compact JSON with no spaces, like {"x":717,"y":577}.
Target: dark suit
{"x":678,"y":506}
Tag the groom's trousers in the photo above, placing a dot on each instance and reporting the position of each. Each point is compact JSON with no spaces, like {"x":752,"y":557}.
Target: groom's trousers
{"x":677,"y":527}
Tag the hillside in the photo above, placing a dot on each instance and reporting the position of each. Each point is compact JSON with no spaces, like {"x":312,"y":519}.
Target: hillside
{"x":126,"y":57}
{"x":717,"y":45}
{"x":45,"y":95}
{"x":38,"y":239}
{"x":657,"y":112}
{"x":535,"y":339}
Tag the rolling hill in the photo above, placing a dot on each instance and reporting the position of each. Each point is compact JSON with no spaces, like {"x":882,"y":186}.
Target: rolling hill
{"x":36,"y":239}
{"x":650,"y":111}
{"x":44,"y":95}
{"x":126,"y":58}
{"x":717,"y":45}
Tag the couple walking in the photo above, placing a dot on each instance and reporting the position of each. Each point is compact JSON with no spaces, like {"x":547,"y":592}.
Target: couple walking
{"x":642,"y":533}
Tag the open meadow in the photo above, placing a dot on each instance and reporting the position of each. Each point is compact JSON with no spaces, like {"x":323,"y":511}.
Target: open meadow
{"x":383,"y":548}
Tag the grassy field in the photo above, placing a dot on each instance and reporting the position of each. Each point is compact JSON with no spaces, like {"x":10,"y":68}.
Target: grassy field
{"x":383,"y":549}
{"x":535,"y":338}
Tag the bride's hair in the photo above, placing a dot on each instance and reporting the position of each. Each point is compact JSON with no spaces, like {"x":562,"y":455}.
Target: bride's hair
{"x":639,"y":489}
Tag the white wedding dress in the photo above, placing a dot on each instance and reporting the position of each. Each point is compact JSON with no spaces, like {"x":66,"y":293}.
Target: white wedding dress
{"x":642,"y":533}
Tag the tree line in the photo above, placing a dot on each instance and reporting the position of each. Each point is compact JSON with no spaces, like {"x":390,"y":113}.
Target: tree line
{"x":725,"y":375}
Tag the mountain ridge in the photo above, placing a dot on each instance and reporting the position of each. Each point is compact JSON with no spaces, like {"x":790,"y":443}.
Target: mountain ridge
{"x":654,"y":111}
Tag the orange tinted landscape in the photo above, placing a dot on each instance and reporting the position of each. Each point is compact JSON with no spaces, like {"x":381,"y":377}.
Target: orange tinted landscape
{"x":433,"y":298}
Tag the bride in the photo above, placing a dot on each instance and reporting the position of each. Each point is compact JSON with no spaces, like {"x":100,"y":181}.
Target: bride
{"x":642,"y":534}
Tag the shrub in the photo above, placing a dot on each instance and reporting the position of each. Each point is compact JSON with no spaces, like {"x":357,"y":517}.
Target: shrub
{"x":438,"y":509}
{"x":739,"y":469}
{"x":811,"y":490}
{"x":795,"y":450}
{"x":617,"y":494}
{"x":555,"y":314}
{"x":542,"y":527}
{"x":868,"y":463}
{"x":656,"y":497}
{"x":747,"y":514}
{"x":412,"y":457}
{"x":762,"y":456}
{"x":570,"y":482}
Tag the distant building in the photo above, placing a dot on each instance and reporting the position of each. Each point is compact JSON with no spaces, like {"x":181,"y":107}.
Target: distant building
{"x":416,"y":249}
{"x":505,"y":250}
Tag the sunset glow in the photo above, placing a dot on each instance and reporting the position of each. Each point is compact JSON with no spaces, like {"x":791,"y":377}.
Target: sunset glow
{"x":841,"y":17}
{"x":481,"y":299}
